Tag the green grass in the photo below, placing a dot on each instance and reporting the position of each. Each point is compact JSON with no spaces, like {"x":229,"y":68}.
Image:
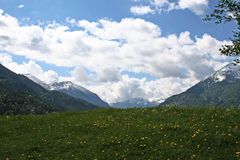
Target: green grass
{"x":160,"y":133}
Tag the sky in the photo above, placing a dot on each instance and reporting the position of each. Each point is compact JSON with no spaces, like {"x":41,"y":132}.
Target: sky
{"x":119,"y":49}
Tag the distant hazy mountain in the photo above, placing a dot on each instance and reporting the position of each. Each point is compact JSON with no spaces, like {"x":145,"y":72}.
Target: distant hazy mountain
{"x":73,"y":90}
{"x":220,"y":89}
{"x":134,"y":103}
{"x":20,"y":95}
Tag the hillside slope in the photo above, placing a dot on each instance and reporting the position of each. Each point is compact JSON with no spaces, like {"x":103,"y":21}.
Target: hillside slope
{"x":20,"y":95}
{"x":220,"y":89}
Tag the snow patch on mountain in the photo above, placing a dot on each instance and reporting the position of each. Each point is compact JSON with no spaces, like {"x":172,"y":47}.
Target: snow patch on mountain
{"x":231,"y":70}
{"x":67,"y":85}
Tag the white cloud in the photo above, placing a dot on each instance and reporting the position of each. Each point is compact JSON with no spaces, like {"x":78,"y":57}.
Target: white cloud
{"x":99,"y":51}
{"x":128,"y":29}
{"x":89,"y":26}
{"x":20,"y":6}
{"x":109,"y":75}
{"x":160,"y":3}
{"x":141,"y":10}
{"x":198,"y":7}
{"x":140,"y":88}
{"x":71,"y":21}
{"x":30,"y":67}
{"x":80,"y":75}
{"x":158,"y":6}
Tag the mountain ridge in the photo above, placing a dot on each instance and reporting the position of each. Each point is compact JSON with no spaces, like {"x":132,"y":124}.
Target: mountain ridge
{"x":72,"y":90}
{"x":222,"y":89}
{"x":20,"y":95}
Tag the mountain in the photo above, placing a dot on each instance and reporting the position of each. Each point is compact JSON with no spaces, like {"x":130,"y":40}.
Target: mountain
{"x":134,"y":103}
{"x":36,"y":80}
{"x":71,"y":89}
{"x":79,"y":92}
{"x":20,"y":95}
{"x":220,"y":89}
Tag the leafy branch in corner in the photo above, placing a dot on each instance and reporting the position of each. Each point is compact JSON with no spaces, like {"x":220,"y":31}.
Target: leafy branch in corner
{"x":228,"y":11}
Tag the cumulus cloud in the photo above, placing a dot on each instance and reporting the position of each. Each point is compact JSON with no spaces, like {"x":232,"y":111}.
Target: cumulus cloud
{"x":196,"y":6}
{"x":109,"y":75}
{"x":99,"y":51}
{"x":80,"y":75}
{"x":141,"y":10}
{"x":89,"y":26}
{"x":130,"y":87}
{"x":128,"y":29}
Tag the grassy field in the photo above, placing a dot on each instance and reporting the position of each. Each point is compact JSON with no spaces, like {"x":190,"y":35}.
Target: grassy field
{"x":157,"y":133}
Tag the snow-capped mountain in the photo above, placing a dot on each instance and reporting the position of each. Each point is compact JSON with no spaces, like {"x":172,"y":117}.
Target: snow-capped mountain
{"x":134,"y":103}
{"x":36,"y":80}
{"x":71,"y":89}
{"x":232,"y":71}
{"x":67,"y":85}
{"x":220,"y":89}
{"x":21,"y":95}
{"x":77,"y":91}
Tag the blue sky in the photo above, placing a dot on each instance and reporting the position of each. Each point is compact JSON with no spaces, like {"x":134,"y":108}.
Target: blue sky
{"x":97,"y":60}
{"x":92,"y":10}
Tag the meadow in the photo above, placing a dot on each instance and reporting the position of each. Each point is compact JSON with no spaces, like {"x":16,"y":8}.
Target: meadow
{"x":148,"y":134}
